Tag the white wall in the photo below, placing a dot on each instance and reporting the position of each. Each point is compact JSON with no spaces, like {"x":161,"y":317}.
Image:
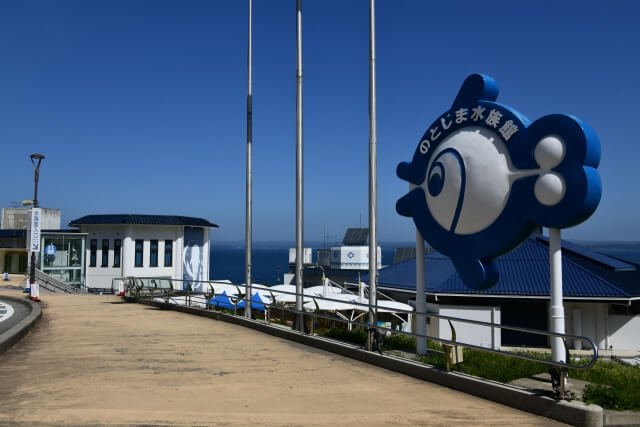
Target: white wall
{"x":352,"y":257}
{"x":624,"y":332}
{"x":100,"y":277}
{"x":483,"y":336}
{"x":620,"y":331}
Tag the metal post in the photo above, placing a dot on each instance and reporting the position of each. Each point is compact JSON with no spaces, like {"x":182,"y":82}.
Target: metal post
{"x":373,"y":198}
{"x":248,"y":224}
{"x":299,"y":175}
{"x":557,"y":308}
{"x":36,"y":159}
{"x":421,"y":298}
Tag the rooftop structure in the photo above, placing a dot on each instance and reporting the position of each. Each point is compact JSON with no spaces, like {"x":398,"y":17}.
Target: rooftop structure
{"x":113,"y":219}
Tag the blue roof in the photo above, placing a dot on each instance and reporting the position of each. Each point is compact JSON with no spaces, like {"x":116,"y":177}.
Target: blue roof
{"x":111,"y":219}
{"x":522,"y":272}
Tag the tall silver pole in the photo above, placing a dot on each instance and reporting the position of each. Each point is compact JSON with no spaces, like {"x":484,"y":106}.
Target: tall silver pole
{"x":299,"y":200}
{"x":373,"y":185}
{"x":421,"y":298}
{"x":248,"y":229}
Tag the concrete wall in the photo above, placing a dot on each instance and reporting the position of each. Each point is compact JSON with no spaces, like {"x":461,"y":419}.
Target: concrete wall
{"x":19,"y":219}
{"x":483,"y":336}
{"x":622,"y":331}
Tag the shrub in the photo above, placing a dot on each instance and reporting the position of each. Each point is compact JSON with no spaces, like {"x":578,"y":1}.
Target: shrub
{"x":355,"y":336}
{"x":614,"y":386}
{"x":399,"y":342}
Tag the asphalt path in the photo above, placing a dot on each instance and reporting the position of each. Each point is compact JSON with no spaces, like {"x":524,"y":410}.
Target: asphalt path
{"x":94,"y":360}
{"x":20,"y":311}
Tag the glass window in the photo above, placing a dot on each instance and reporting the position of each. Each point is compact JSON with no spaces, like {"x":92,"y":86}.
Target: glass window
{"x":153,"y":253}
{"x":63,"y":256}
{"x":139,"y":253}
{"x":117,"y":249}
{"x":168,"y":253}
{"x":105,"y":253}
{"x":93,"y":257}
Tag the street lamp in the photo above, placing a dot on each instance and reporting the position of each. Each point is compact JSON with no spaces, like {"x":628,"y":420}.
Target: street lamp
{"x":35,"y":159}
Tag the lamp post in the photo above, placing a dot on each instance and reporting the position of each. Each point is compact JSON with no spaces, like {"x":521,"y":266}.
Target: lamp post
{"x":36,"y":159}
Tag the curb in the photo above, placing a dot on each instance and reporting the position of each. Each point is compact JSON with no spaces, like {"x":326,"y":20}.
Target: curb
{"x":20,"y":329}
{"x":574,"y":413}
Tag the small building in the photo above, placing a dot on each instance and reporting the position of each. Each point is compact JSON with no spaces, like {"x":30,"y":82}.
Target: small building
{"x":601,"y":297}
{"x":14,"y":226}
{"x":164,"y":246}
{"x":338,"y":263}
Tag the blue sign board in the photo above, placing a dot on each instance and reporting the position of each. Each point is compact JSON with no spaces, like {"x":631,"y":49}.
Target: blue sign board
{"x":483,"y":177}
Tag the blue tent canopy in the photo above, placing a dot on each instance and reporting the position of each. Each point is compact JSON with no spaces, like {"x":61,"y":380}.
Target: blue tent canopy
{"x":222,"y":301}
{"x":256,"y":303}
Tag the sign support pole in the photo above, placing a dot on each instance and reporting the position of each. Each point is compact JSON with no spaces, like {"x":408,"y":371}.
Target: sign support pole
{"x":557,"y":308}
{"x":421,"y":301}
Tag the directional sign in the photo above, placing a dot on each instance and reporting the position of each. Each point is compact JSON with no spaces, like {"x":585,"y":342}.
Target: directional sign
{"x":36,"y":215}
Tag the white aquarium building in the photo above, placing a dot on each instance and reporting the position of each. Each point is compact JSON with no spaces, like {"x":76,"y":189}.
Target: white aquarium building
{"x":163,"y":246}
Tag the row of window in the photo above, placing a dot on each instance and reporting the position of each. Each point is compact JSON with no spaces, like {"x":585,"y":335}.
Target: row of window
{"x":139,"y":253}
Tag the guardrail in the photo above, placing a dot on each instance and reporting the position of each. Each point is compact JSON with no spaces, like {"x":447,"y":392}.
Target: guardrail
{"x":54,"y":285}
{"x":150,"y":287}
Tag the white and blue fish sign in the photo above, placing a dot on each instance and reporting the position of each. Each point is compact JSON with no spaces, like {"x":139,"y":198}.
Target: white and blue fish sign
{"x":484,"y":177}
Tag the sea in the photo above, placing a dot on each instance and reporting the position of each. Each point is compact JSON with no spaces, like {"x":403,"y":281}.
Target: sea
{"x":271,"y":260}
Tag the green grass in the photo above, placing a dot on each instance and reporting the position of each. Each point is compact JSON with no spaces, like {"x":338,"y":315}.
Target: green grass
{"x":359,"y":336}
{"x":356,"y":336}
{"x":491,"y":366}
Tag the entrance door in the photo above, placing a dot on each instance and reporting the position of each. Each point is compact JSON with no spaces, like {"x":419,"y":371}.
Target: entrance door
{"x":526,"y":314}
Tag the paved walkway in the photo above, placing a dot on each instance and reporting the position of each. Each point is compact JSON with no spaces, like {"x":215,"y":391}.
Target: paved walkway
{"x":96,"y":360}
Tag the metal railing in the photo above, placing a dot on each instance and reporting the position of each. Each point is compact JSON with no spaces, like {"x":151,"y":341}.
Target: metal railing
{"x":149,"y":287}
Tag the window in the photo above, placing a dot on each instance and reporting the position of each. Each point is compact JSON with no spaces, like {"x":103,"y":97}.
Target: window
{"x":139,"y":253}
{"x":117,"y":249}
{"x":93,"y":257}
{"x":153,"y":254}
{"x":168,"y":253}
{"x":105,"y":253}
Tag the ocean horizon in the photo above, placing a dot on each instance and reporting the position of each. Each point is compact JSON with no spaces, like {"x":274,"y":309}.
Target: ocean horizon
{"x":271,"y":259}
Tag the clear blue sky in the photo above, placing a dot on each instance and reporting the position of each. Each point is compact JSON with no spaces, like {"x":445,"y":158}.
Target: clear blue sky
{"x":139,"y":106}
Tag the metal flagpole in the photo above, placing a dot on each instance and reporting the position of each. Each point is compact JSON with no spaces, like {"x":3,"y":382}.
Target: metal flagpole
{"x":248,"y":228}
{"x":299,"y":204}
{"x":421,"y":299}
{"x":373,"y":198}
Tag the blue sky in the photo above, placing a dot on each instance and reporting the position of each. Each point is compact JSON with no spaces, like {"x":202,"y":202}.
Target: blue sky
{"x":139,"y":106}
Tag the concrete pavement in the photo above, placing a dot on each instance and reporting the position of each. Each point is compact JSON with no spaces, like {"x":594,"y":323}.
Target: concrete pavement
{"x":95,"y":360}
